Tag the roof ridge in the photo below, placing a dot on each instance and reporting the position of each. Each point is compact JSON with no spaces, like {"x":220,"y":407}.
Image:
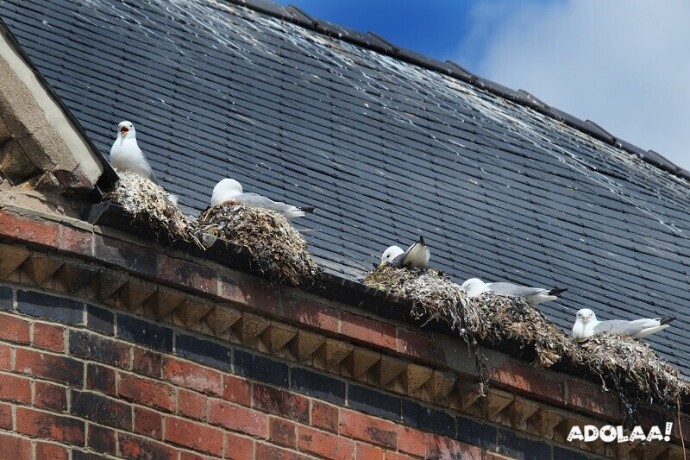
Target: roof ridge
{"x":375,"y":42}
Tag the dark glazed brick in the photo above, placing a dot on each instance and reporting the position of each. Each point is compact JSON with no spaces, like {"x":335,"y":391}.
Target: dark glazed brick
{"x":261,"y":368}
{"x":102,"y":410}
{"x":48,"y":306}
{"x":81,"y":455}
{"x":427,"y":419}
{"x":560,"y":453}
{"x":100,"y":378}
{"x":476,"y":433}
{"x":522,"y":448}
{"x":144,"y":333}
{"x":374,"y":402}
{"x":96,"y":348}
{"x":318,"y":385}
{"x":129,"y":256}
{"x":101,"y":439}
{"x":204,"y":351}
{"x":6,"y":298}
{"x":100,"y":320}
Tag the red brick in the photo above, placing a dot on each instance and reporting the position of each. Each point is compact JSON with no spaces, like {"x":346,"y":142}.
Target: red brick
{"x":315,"y":314}
{"x":76,"y":240}
{"x":411,"y":441}
{"x":101,"y":439}
{"x":5,"y":357}
{"x":283,"y":432}
{"x":440,"y":447}
{"x":252,"y":293}
{"x":100,"y":378}
{"x":324,"y":416}
{"x":148,"y":422}
{"x":324,"y":444}
{"x":49,"y":337}
{"x":185,"y":455}
{"x":50,"y":396}
{"x":420,"y":346}
{"x":527,"y":379}
{"x":191,"y":404}
{"x":180,"y":271}
{"x":592,"y":398}
{"x":238,"y":418}
{"x":146,"y":391}
{"x":368,"y":452}
{"x":14,"y":329}
{"x":365,"y":428}
{"x":281,"y":402}
{"x":237,"y":390}
{"x":146,"y":362}
{"x":5,"y":416}
{"x":238,"y":447}
{"x":367,"y":330}
{"x":396,"y":456}
{"x":28,"y":230}
{"x":51,"y":367}
{"x":196,"y":436}
{"x":134,"y":448}
{"x":49,"y":426}
{"x":12,"y":447}
{"x":193,"y":376}
{"x":130,"y":256}
{"x":265,"y":451}
{"x":45,"y":450}
{"x":15,"y":388}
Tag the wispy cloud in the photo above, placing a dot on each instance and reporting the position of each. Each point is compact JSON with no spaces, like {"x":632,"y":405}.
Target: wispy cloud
{"x":622,"y":64}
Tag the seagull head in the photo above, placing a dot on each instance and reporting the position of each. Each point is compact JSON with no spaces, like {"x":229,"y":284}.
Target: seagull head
{"x":474,"y":287}
{"x":585,"y":315}
{"x":125,"y":129}
{"x":390,"y":254}
{"x":224,"y":190}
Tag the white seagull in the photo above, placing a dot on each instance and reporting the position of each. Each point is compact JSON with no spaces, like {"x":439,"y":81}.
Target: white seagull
{"x":231,"y":190}
{"x":416,"y":255}
{"x":125,"y":154}
{"x":532,"y":295}
{"x":587,"y":325}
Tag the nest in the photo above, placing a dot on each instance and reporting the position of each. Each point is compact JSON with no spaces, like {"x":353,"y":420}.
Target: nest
{"x":629,"y":367}
{"x":151,"y":205}
{"x":276,"y":248}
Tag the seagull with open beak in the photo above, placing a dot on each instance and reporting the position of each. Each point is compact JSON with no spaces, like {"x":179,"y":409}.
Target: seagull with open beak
{"x":125,"y":154}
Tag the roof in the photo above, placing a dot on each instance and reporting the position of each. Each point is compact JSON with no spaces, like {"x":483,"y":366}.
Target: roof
{"x":386,"y":149}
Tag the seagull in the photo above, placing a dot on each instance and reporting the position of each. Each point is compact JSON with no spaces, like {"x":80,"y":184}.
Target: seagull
{"x":587,"y":325}
{"x":416,"y":255}
{"x":532,"y":295}
{"x":231,"y":190}
{"x":125,"y":154}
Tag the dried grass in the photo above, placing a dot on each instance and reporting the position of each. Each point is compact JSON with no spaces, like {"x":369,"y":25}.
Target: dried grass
{"x":151,"y":205}
{"x":628,"y":367}
{"x":277,"y":249}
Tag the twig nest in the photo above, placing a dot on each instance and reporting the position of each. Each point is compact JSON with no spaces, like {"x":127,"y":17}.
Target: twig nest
{"x":277,"y":249}
{"x":151,"y":205}
{"x":625,"y":363}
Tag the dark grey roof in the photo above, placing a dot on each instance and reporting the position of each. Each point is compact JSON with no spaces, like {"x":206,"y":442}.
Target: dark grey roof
{"x":501,"y":186}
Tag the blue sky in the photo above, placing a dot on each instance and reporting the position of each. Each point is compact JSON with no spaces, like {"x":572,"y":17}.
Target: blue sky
{"x":621,"y":64}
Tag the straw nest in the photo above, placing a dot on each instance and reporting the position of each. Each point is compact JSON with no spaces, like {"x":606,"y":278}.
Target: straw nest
{"x":151,"y":205}
{"x":628,"y":367}
{"x":276,"y":248}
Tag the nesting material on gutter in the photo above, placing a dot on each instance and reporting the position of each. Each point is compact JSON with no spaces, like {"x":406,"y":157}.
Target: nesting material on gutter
{"x":630,"y":368}
{"x":151,"y":205}
{"x":276,"y":248}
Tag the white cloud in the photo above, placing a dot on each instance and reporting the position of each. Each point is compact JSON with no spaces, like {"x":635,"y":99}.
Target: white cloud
{"x":623,"y":64}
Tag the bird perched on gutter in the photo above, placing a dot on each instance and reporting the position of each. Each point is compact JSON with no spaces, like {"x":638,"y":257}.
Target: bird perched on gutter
{"x":416,"y":256}
{"x":587,"y":325}
{"x":231,"y":190}
{"x":532,"y":295}
{"x":125,"y":154}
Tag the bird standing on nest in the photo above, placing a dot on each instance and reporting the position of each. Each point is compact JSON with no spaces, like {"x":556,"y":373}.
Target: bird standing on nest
{"x":587,"y":325}
{"x":125,"y":154}
{"x":416,"y":256}
{"x":532,"y":295}
{"x":231,"y":190}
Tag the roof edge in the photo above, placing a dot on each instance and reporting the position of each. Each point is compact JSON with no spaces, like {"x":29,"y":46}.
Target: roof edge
{"x":378,"y":44}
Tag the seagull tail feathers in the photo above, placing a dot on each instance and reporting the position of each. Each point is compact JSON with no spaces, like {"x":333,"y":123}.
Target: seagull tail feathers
{"x":557,"y":291}
{"x":666,"y":320}
{"x":307,"y":209}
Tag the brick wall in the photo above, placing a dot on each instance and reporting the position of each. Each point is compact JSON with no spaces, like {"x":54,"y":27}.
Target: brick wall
{"x":83,"y":381}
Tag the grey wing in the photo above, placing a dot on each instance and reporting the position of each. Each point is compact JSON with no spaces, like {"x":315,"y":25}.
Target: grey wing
{"x":623,"y":327}
{"x":398,"y":260}
{"x":503,"y":288}
{"x":260,"y":201}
